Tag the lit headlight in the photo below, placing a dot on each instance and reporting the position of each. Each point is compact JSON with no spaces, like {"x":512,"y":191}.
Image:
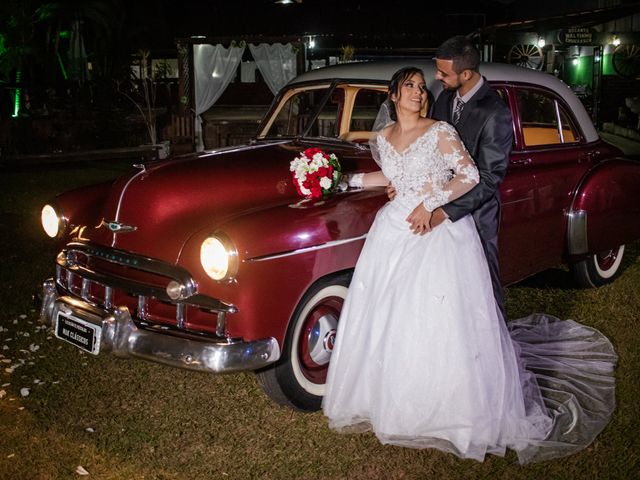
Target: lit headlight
{"x":52,"y":223}
{"x":218,"y":257}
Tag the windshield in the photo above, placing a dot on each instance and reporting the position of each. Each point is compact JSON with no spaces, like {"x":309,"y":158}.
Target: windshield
{"x":345,"y":111}
{"x":294,"y":115}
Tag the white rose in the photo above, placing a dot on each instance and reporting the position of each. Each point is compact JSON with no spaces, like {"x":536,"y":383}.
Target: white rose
{"x":325,"y":183}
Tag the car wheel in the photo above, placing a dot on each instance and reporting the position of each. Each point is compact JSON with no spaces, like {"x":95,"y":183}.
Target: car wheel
{"x":598,"y":269}
{"x":297,"y":380}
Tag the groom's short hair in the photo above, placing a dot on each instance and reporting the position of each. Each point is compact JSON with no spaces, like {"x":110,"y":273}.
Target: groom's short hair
{"x":462,"y":51}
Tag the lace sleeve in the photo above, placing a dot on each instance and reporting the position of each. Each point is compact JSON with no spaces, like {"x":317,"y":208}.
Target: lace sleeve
{"x":461,"y":174}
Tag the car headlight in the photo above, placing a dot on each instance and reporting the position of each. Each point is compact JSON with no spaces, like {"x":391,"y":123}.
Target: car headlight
{"x":219,"y":257}
{"x":53,"y":223}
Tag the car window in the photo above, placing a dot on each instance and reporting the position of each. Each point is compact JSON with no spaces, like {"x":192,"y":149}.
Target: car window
{"x":540,"y":117}
{"x":328,"y":121}
{"x":365,"y":109}
{"x":295,"y":114}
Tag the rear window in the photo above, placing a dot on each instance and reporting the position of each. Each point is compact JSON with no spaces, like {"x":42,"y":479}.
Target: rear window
{"x":543,"y":119}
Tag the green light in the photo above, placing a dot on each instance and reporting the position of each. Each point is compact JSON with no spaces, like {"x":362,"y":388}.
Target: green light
{"x":64,"y":70}
{"x":607,"y":65}
{"x":16,"y":97}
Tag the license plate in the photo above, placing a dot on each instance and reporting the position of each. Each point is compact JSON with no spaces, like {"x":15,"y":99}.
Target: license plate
{"x":78,"y":332}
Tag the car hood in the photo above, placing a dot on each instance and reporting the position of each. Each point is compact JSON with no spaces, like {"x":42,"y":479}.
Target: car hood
{"x":154,"y":210}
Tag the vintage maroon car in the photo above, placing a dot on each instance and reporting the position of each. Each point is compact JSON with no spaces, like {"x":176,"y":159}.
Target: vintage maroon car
{"x":212,"y":261}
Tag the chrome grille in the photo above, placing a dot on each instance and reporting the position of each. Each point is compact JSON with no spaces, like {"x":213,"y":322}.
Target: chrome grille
{"x":76,"y":273}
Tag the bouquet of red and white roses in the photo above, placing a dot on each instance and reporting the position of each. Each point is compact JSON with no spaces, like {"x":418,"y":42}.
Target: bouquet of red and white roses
{"x":315,"y":173}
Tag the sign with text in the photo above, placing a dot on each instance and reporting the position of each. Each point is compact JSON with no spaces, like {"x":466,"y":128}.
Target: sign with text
{"x":576,"y":36}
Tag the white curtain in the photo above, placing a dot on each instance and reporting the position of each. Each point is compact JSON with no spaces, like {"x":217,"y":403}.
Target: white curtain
{"x":214,"y":67}
{"x":77,"y":54}
{"x":276,"y":62}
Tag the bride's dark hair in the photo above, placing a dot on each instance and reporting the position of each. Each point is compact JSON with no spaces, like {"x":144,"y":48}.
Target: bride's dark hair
{"x":398,"y":79}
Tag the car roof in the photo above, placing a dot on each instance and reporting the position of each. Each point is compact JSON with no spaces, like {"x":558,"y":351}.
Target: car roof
{"x":494,"y":72}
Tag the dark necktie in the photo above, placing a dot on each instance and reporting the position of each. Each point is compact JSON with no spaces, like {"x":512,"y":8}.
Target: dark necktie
{"x":457,"y":111}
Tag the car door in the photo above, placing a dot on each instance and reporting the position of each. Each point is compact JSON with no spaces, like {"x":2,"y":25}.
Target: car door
{"x":551,"y":150}
{"x":517,"y":193}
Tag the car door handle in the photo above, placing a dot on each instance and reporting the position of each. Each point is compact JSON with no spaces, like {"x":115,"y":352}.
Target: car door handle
{"x":521,"y":161}
{"x":588,"y":156}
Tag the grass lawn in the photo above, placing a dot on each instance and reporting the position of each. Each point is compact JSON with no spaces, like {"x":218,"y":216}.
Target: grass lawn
{"x":126,"y":419}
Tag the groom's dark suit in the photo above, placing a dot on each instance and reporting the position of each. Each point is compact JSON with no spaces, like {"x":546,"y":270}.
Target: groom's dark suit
{"x":486,"y":130}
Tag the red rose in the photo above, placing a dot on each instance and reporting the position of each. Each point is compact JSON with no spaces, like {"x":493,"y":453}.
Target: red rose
{"x":310,"y":152}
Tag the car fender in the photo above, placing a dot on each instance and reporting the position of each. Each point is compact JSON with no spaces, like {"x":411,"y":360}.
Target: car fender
{"x":79,"y":206}
{"x":605,"y":211}
{"x":282,"y":250}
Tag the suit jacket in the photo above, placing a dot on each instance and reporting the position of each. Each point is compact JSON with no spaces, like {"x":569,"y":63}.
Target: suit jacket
{"x":486,"y":130}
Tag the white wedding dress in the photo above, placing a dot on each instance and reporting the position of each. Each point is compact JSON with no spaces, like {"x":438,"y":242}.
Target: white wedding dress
{"x":422,"y":357}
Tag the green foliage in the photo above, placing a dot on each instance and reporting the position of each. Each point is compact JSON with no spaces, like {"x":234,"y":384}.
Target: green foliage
{"x":46,"y":11}
{"x":240,"y":44}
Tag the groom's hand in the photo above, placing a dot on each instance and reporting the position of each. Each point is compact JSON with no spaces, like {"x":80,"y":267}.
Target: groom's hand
{"x":419,"y":220}
{"x":391,"y":191}
{"x":437,"y":217}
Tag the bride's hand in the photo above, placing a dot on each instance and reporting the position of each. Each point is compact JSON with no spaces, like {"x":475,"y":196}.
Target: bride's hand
{"x":419,"y":220}
{"x":391,"y":191}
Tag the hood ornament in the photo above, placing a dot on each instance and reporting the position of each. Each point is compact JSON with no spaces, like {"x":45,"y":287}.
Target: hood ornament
{"x":117,"y":227}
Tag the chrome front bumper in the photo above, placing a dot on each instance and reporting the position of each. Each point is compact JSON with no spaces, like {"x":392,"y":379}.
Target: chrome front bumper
{"x":123,"y":338}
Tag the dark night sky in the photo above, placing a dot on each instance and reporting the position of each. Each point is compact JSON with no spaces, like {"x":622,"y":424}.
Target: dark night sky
{"x":165,"y":20}
{"x":155,"y":24}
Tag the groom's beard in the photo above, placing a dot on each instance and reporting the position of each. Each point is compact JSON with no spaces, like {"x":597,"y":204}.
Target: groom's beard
{"x":448,"y":87}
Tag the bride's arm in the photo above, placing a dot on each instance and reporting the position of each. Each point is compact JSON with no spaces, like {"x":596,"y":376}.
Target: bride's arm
{"x":465,"y":172}
{"x":364,"y":180}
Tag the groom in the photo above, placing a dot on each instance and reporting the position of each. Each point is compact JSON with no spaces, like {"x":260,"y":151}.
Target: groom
{"x":483,"y":122}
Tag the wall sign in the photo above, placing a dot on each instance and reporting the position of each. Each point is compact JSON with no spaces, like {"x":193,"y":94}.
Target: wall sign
{"x":576,"y":36}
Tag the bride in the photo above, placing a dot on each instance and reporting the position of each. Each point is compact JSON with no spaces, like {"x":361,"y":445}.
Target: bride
{"x":422,"y":356}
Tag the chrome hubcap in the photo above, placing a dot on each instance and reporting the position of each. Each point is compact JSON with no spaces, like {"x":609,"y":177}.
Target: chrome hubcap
{"x":321,"y":339}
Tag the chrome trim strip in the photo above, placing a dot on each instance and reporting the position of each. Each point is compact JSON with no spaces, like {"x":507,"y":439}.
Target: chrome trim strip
{"x":108,"y":297}
{"x":123,"y":338}
{"x":220,"y":324}
{"x":299,"y":251}
{"x":142,"y":307}
{"x":180,"y":309}
{"x":242,"y":148}
{"x":84,"y":292}
{"x":124,"y":189}
{"x":577,"y":242}
{"x":559,"y":120}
